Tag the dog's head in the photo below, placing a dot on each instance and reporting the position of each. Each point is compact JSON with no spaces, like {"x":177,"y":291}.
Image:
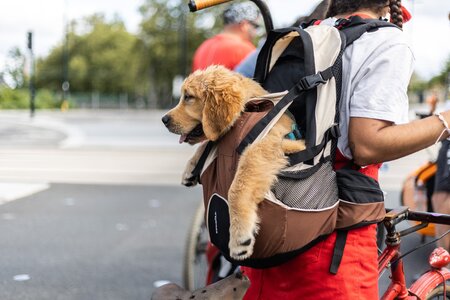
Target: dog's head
{"x":211,"y":101}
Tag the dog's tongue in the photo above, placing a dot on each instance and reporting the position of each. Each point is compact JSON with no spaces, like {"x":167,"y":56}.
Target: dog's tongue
{"x":183,"y":138}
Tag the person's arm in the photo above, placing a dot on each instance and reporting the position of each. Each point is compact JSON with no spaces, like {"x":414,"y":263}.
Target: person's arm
{"x":374,"y":141}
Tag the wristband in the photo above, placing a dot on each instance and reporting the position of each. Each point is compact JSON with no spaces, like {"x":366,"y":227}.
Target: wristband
{"x":446,"y":129}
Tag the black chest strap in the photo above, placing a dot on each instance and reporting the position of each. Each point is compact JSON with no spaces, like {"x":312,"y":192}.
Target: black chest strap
{"x":201,"y":162}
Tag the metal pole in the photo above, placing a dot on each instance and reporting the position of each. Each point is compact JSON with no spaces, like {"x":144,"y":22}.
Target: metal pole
{"x":65,"y":86}
{"x":31,"y":87}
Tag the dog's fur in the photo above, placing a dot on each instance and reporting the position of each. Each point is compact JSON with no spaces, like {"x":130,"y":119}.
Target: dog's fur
{"x":212,"y":100}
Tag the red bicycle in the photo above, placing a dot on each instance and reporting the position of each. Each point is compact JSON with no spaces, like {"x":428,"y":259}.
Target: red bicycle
{"x":432,"y":284}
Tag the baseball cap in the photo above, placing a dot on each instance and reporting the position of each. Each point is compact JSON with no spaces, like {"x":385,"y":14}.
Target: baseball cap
{"x":238,"y":12}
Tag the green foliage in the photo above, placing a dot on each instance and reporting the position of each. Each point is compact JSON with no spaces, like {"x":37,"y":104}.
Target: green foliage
{"x":168,"y":38}
{"x":15,"y":67}
{"x":46,"y":99}
{"x":443,"y":78}
{"x":13,"y":98}
{"x":418,"y":85}
{"x":20,"y":99}
{"x":103,"y":57}
{"x":100,"y":59}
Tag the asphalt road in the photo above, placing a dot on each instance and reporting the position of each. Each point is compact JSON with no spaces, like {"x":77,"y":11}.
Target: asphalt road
{"x":105,"y":217}
{"x":93,"y":241}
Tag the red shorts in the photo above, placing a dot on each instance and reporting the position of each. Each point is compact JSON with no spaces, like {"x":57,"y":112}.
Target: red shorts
{"x":308,"y":277}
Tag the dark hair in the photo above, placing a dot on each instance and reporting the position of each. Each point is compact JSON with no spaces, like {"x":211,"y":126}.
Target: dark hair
{"x":338,"y":7}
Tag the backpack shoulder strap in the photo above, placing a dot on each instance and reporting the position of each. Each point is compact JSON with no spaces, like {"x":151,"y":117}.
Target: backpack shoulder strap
{"x":356,"y":26}
{"x":264,"y":58}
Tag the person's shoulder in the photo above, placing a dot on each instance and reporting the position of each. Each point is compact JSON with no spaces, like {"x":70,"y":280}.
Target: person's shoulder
{"x":383,"y":40}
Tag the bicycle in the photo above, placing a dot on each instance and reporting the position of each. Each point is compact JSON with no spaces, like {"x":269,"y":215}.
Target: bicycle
{"x":431,"y":284}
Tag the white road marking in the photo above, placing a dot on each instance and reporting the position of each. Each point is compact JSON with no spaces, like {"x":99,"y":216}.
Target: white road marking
{"x":10,"y":191}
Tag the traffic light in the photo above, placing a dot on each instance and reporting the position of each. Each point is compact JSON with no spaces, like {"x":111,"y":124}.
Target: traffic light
{"x":30,"y":40}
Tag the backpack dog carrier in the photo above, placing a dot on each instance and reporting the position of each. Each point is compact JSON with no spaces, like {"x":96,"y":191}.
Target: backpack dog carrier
{"x":310,"y":199}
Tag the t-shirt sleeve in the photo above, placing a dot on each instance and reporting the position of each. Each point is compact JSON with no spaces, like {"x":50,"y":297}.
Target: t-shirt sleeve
{"x":380,"y":92}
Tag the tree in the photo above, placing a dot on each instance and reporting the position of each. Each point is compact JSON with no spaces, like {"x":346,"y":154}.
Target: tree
{"x":100,"y":59}
{"x":443,"y":78}
{"x":161,"y":44}
{"x":14,"y":72}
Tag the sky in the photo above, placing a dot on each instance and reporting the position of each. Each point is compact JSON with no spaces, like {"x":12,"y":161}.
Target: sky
{"x":428,"y":31}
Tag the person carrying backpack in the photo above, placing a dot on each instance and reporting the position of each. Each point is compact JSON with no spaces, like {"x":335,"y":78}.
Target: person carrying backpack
{"x":374,"y":128}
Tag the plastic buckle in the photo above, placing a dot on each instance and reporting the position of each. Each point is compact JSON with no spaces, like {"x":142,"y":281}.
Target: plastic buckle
{"x":341,"y":23}
{"x":311,"y":81}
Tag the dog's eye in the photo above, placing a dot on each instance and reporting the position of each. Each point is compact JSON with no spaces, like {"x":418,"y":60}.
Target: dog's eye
{"x":188,"y":97}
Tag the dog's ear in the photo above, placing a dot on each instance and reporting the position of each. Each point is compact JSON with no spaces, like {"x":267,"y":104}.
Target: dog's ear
{"x":224,"y":102}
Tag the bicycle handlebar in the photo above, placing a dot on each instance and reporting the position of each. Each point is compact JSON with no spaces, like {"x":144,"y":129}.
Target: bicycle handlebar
{"x":403,"y":213}
{"x":196,"y":5}
{"x":429,"y":217}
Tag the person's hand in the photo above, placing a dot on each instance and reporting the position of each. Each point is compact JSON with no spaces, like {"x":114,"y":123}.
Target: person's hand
{"x":432,"y":102}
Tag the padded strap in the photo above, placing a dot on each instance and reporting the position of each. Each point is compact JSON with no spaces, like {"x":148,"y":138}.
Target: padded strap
{"x":356,"y":26}
{"x":265,"y":55}
{"x":338,"y":253}
{"x":201,"y":162}
{"x":253,"y":134}
{"x":311,"y":152}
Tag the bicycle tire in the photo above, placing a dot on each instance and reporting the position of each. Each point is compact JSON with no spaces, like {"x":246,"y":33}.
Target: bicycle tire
{"x":438,"y":292}
{"x":194,"y":264}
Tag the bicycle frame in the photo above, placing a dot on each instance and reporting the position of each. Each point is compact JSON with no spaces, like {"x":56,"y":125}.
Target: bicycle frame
{"x":391,"y":258}
{"x":398,"y":288}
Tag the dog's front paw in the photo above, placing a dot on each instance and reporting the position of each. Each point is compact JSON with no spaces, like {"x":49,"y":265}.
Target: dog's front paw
{"x":241,"y":242}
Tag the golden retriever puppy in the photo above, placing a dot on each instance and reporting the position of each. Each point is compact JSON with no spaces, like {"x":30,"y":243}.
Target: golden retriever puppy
{"x":211,"y":101}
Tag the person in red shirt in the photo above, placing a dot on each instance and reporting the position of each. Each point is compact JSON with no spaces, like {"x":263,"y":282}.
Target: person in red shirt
{"x":234,"y":43}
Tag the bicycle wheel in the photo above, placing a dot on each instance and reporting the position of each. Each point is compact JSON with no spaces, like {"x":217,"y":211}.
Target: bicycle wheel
{"x":438,"y":292}
{"x":195,"y":264}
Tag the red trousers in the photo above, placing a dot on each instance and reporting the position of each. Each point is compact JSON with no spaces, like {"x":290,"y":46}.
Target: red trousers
{"x":308,"y":277}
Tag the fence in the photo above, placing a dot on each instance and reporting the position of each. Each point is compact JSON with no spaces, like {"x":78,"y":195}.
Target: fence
{"x":97,"y":100}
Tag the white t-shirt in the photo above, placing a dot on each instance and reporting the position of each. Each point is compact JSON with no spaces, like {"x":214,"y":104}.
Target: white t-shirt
{"x":376,"y":70}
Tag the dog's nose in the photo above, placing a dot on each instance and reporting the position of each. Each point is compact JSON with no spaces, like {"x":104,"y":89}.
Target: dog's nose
{"x":166,"y":119}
